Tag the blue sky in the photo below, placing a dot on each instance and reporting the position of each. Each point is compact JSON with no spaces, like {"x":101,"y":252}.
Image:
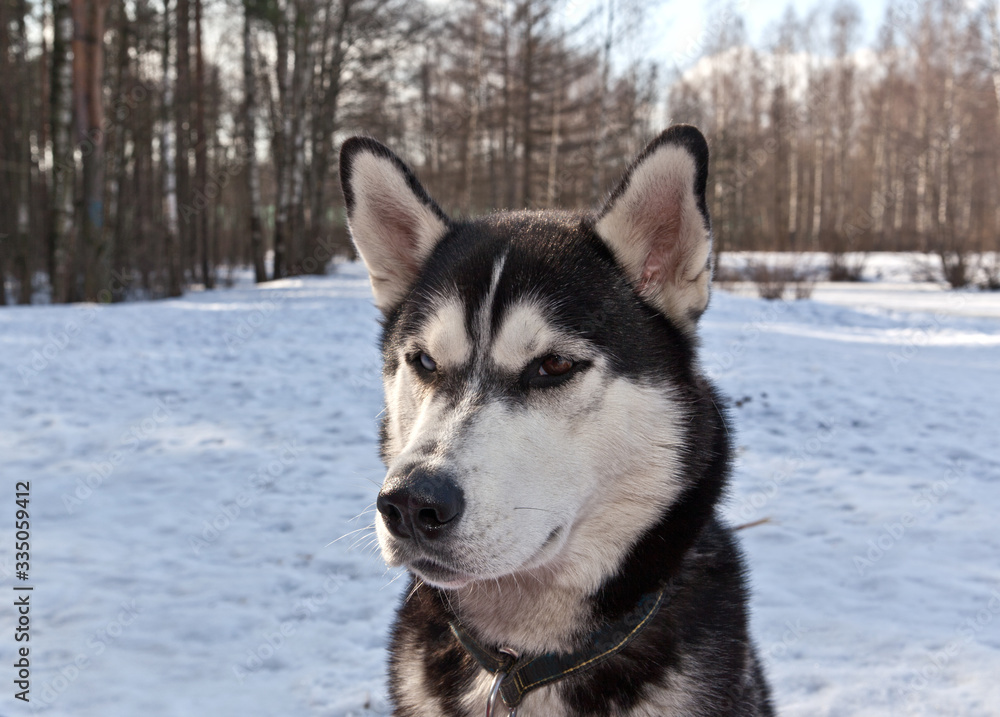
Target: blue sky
{"x":673,"y":29}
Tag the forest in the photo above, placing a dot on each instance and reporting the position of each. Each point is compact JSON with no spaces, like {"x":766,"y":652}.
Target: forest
{"x":150,"y":147}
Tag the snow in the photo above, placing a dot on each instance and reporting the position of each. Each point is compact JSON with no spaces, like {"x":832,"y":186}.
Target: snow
{"x":228,"y":437}
{"x":888,"y":282}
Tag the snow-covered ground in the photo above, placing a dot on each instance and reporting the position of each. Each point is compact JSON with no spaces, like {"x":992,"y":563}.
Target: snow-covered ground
{"x":888,"y":282}
{"x":191,"y":461}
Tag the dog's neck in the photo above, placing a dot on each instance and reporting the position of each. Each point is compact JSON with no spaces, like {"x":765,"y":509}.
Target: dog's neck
{"x":529,"y":612}
{"x":550,"y":608}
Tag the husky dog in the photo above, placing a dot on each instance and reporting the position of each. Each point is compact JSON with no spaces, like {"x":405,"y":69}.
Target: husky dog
{"x":555,"y":455}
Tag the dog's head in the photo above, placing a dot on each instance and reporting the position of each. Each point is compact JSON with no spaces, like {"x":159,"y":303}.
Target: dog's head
{"x":537,"y":365}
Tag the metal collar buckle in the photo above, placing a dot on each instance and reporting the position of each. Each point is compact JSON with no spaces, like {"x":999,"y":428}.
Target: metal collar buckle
{"x":491,"y":701}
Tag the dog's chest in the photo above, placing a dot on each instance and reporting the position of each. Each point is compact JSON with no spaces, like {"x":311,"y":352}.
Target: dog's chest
{"x":543,"y":701}
{"x":419,"y":698}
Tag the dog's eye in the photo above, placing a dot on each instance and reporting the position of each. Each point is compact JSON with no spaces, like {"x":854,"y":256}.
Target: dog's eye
{"x":426,"y":362}
{"x":555,"y":366}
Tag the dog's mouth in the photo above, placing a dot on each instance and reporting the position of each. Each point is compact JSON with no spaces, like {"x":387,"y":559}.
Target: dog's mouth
{"x":439,"y":575}
{"x":443,"y":576}
{"x":552,"y":545}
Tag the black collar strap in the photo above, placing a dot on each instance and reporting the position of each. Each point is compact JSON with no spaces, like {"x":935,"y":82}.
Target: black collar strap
{"x":526,"y":673}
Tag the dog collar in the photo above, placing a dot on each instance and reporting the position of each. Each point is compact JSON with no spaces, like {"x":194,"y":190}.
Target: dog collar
{"x":515,"y":676}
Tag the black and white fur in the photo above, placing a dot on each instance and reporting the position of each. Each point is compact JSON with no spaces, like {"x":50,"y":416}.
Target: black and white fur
{"x":536,"y":508}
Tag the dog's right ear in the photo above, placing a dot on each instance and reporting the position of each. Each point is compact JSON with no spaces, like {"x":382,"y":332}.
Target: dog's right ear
{"x":394,"y":223}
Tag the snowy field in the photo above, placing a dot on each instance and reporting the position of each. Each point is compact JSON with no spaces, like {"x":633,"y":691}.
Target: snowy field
{"x":191,"y":461}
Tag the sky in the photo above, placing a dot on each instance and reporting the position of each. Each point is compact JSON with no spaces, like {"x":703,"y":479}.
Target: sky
{"x":674,"y":31}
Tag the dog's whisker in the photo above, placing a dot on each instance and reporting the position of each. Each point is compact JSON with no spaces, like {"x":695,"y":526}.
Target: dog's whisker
{"x":417,"y":582}
{"x":362,"y":546}
{"x":394,"y":578}
{"x":364,"y":531}
{"x":365,"y":541}
{"x":350,"y":532}
{"x":370,"y":508}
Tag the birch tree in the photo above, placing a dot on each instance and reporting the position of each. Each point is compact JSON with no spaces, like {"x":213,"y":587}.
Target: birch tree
{"x":171,"y":239}
{"x":63,"y":162}
{"x":249,"y":124}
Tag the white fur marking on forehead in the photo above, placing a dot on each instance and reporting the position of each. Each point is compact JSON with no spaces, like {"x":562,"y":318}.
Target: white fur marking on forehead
{"x":445,"y":337}
{"x":486,"y":310}
{"x":392,"y":228}
{"x":523,"y":335}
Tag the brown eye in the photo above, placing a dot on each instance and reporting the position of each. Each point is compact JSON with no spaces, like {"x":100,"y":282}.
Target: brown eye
{"x":555,"y":366}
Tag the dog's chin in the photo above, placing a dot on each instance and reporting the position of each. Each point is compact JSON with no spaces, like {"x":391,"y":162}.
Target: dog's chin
{"x":438,"y":575}
{"x":434,"y":572}
{"x":442,"y":576}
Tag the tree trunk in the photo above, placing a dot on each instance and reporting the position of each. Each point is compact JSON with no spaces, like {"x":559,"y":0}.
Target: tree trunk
{"x":302,"y":25}
{"x":250,"y":140}
{"x":781,"y":191}
{"x":88,"y":66}
{"x":552,"y":193}
{"x":506,"y":139}
{"x":601,"y":130}
{"x":994,"y":15}
{"x":204,"y":241}
{"x":326,"y":120}
{"x":473,"y":98}
{"x":282,"y":134}
{"x":182,"y":97}
{"x":19,"y":145}
{"x":63,"y":161}
{"x":115,"y":227}
{"x":528,"y":88}
{"x":171,"y":239}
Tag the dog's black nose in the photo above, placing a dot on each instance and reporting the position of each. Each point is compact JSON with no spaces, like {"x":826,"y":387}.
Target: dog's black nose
{"x":424,"y":502}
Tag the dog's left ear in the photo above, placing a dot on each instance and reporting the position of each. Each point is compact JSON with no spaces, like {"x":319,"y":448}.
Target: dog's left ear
{"x":394,"y":223}
{"x":656,"y":223}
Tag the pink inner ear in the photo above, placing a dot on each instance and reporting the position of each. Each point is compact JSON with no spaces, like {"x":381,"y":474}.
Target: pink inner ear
{"x":400,"y":228}
{"x":660,"y":221}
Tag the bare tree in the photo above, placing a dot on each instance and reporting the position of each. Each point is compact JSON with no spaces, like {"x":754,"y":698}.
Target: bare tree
{"x":250,"y":147}
{"x":63,"y":162}
{"x":169,"y":167}
{"x":88,"y":71}
{"x":202,"y":239}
